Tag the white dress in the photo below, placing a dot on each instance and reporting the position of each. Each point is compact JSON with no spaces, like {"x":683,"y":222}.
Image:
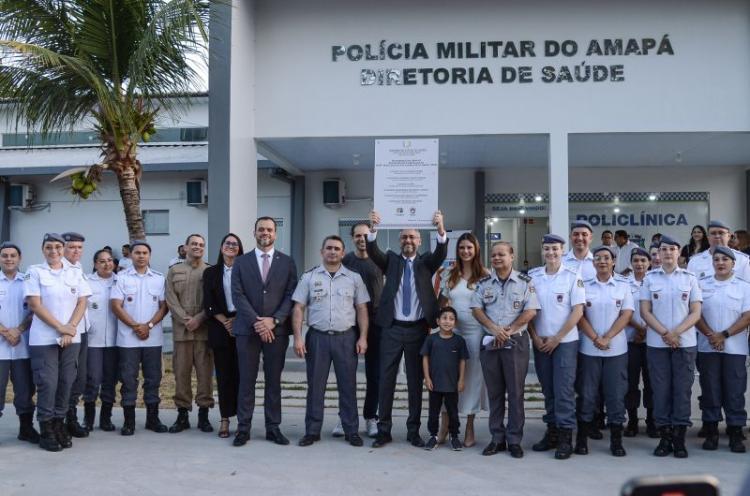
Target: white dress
{"x":474,"y":397}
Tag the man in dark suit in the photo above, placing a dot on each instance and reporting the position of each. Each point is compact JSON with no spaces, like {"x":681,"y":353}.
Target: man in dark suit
{"x":408,"y":309}
{"x":263,"y":282}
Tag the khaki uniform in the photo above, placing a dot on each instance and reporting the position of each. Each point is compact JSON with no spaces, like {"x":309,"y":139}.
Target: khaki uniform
{"x":185,"y":299}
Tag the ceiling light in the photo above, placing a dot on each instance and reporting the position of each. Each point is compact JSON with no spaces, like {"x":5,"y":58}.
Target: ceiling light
{"x":522,"y":211}
{"x":538,"y":198}
{"x":617,"y":210}
{"x":652,"y":197}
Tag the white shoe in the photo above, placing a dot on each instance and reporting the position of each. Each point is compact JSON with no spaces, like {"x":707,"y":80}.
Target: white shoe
{"x":372,"y":427}
{"x":338,"y":431}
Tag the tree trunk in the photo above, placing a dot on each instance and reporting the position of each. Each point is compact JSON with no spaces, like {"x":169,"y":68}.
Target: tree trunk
{"x":131,"y":199}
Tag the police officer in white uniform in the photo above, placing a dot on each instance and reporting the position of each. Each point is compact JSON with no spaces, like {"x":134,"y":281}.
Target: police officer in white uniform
{"x":554,"y":334}
{"x":101,"y":376}
{"x":336,"y":299}
{"x":722,"y":350}
{"x":603,"y":357}
{"x":72,"y":252}
{"x":504,"y":302}
{"x":640,"y":261}
{"x":579,"y":257}
{"x":139,"y":303}
{"x":57,"y":295}
{"x":15,"y":320}
{"x":671,"y":305}
{"x":719,"y":234}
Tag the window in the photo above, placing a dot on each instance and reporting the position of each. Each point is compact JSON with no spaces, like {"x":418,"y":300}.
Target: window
{"x":156,"y":221}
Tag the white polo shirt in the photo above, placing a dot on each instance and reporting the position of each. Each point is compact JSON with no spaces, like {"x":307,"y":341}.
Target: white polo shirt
{"x":670,"y":296}
{"x":13,"y":310}
{"x":723,"y":304}
{"x":557,"y":294}
{"x":604,"y":302}
{"x":141,"y":295}
{"x":59,"y":291}
{"x":103,"y":322}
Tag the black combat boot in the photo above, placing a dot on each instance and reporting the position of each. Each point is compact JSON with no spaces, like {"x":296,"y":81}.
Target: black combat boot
{"x":615,"y":440}
{"x":564,"y":448}
{"x":152,"y":419}
{"x":582,"y":438}
{"x":26,"y":431}
{"x":63,"y":436}
{"x":678,"y":441}
{"x":651,"y":429}
{"x":735,"y":439}
{"x":73,"y":427}
{"x":203,"y":424}
{"x":711,"y":433}
{"x":595,"y":427}
{"x":182,"y":422}
{"x":105,"y":418}
{"x":549,"y":441}
{"x":89,"y":414}
{"x":128,"y":425}
{"x":48,"y":438}
{"x":632,"y":428}
{"x":665,"y":444}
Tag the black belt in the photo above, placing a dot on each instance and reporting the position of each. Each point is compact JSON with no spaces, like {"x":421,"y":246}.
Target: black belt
{"x":230,"y":314}
{"x":410,"y":323}
{"x":332,"y":332}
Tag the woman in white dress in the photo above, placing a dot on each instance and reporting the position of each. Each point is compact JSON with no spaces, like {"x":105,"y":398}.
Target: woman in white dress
{"x":456,"y":289}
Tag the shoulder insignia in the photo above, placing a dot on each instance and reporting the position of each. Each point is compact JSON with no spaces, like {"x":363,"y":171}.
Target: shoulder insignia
{"x":740,"y":279}
{"x":535,"y":271}
{"x":157,"y":272}
{"x":524,"y":277}
{"x":705,"y":276}
{"x":311,"y":270}
{"x":485,"y":279}
{"x":26,"y":276}
{"x":589,"y":280}
{"x":620,"y":277}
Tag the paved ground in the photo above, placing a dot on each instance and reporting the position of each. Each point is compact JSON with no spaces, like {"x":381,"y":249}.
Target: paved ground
{"x":196,"y":463}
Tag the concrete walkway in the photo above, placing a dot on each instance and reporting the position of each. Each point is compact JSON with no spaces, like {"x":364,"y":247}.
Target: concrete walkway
{"x":196,"y":463}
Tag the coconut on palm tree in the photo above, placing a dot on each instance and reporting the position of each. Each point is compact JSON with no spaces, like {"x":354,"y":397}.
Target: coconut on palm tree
{"x":111,"y":64}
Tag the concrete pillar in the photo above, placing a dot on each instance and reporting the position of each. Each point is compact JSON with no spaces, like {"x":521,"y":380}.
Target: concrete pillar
{"x":479,"y":194}
{"x":232,"y":163}
{"x":559,"y":222}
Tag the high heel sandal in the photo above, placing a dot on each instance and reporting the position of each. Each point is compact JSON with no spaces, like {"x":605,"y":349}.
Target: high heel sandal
{"x":224,"y":428}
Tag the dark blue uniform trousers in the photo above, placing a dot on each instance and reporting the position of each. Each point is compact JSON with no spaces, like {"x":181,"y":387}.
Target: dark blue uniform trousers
{"x":608,"y":375}
{"x":102,"y":369}
{"x":557,"y":376}
{"x":723,"y":380}
{"x":637,"y":368}
{"x":148,"y":359}
{"x":76,"y":390}
{"x":19,"y":372}
{"x":54,"y":370}
{"x":672,"y":373}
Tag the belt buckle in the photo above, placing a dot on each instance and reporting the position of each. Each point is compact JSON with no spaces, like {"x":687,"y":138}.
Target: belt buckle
{"x":330,"y":333}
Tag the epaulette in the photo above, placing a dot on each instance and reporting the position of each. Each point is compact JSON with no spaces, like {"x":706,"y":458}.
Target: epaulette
{"x":570,"y":269}
{"x":485,"y":278}
{"x":312,"y":269}
{"x":620,"y":277}
{"x":689,"y":273}
{"x":709,"y":276}
{"x":741,"y":279}
{"x":524,"y":277}
{"x":535,"y":271}
{"x":157,"y":272}
{"x":589,"y":280}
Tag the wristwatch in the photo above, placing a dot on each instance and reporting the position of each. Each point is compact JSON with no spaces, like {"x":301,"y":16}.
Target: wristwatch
{"x":725,"y":334}
{"x":150,"y":325}
{"x":276,"y":321}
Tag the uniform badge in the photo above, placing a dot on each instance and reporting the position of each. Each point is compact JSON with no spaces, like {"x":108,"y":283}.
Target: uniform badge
{"x":703,"y":274}
{"x":532,"y":289}
{"x":588,"y":303}
{"x":154,"y":298}
{"x":656,"y":296}
{"x":516,"y":305}
{"x":95,"y":306}
{"x":560,"y":298}
{"x":580,"y":283}
{"x":73,"y":290}
{"x":130,"y":298}
{"x":318,"y":283}
{"x":684,"y":296}
{"x":618,"y":303}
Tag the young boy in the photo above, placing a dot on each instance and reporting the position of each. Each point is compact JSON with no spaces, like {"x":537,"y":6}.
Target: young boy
{"x":444,"y":356}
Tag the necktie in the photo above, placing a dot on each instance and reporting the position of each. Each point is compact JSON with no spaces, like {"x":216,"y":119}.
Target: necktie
{"x":266,"y":266}
{"x":406,"y":303}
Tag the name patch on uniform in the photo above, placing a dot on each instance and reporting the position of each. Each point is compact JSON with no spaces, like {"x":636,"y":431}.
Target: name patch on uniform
{"x":94,"y":306}
{"x":684,"y":296}
{"x":318,"y":283}
{"x":618,"y":303}
{"x":702,"y":274}
{"x":560,"y":297}
{"x":516,"y":305}
{"x":130,"y":298}
{"x":588,"y":303}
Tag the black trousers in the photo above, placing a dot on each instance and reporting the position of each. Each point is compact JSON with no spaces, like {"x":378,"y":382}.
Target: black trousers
{"x":372,"y":371}
{"x":249,"y":349}
{"x":80,"y":382}
{"x":227,"y":378}
{"x":637,"y":368}
{"x":437,"y":400}
{"x":396,"y":341}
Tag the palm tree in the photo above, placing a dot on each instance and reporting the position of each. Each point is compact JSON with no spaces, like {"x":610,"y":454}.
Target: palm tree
{"x":113,"y":63}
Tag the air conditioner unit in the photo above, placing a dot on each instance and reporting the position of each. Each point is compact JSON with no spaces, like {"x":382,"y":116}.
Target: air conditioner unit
{"x":197,"y":192}
{"x":334,"y":192}
{"x":21,"y":196}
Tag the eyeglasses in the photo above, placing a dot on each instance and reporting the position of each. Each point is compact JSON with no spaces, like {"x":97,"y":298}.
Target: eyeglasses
{"x":231,"y":244}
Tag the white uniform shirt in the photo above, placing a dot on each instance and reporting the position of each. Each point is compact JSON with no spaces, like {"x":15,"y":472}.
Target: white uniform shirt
{"x":557,"y":294}
{"x":585,"y":267}
{"x":604,"y":302}
{"x":102,"y":320}
{"x":331,"y":300}
{"x":723,"y":304}
{"x":702,"y":265}
{"x":13,"y":310}
{"x":226,"y":281}
{"x":622,"y":262}
{"x":83,"y":325}
{"x":635,"y":291}
{"x":59,"y":291}
{"x":141,"y":296}
{"x":124,"y":263}
{"x":670,"y":296}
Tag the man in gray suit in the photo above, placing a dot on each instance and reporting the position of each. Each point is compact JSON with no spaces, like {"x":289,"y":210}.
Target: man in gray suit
{"x":263,"y":282}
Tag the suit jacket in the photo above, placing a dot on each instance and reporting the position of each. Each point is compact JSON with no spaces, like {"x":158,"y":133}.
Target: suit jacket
{"x":254,"y":299}
{"x":215,"y":302}
{"x":392,"y":265}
